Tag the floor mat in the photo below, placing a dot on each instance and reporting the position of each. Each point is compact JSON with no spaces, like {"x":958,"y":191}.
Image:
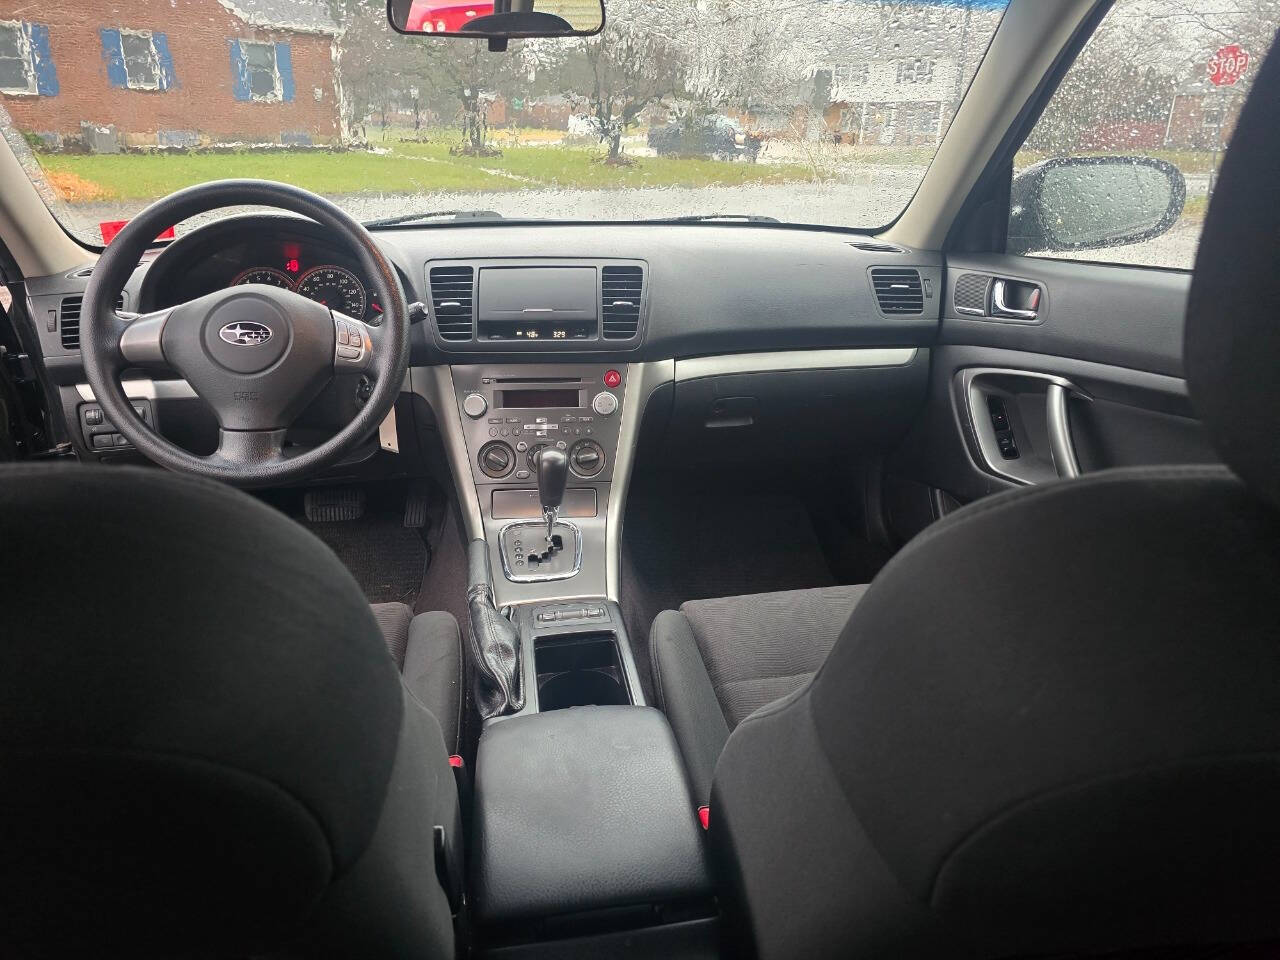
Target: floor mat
{"x":679,"y":548}
{"x":386,"y":558}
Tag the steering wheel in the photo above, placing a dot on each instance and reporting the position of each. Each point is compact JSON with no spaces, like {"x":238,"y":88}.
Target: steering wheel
{"x":256,"y":354}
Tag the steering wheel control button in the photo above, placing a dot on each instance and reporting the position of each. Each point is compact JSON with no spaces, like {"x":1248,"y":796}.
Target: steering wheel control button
{"x":475,"y":405}
{"x":496,"y":459}
{"x":349,"y":353}
{"x":586,"y":459}
{"x":612,"y":378}
{"x":605,"y":403}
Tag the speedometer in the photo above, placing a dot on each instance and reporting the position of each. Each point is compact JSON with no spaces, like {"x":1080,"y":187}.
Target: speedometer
{"x":335,"y":287}
{"x":264,"y":275}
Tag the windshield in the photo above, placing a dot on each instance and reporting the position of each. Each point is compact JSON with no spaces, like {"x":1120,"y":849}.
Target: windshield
{"x":808,"y":111}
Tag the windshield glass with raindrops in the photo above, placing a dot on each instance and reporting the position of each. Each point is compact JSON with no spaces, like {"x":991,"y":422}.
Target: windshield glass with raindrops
{"x":806,"y":111}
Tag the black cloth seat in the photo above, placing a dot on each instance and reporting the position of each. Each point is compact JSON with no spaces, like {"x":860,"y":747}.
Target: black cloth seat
{"x":427,"y":649}
{"x":205,"y":749}
{"x":717,"y":661}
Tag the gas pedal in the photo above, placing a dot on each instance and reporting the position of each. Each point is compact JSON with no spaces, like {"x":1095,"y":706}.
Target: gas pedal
{"x":336,"y":503}
{"x":415,"y":506}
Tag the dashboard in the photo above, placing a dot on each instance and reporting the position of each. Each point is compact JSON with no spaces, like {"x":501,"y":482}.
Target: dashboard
{"x":293,"y":258}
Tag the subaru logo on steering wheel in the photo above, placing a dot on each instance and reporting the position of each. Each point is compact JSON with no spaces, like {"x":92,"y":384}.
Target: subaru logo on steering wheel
{"x":245,"y":333}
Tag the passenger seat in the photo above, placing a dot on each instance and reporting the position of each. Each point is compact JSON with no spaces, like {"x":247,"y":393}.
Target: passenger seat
{"x":717,"y":661}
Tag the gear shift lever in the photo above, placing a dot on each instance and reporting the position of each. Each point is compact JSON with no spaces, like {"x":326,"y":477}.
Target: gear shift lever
{"x":553,"y":472}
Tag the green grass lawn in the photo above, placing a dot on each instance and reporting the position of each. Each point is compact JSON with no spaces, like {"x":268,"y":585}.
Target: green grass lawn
{"x":407,"y":168}
{"x":131,"y":176}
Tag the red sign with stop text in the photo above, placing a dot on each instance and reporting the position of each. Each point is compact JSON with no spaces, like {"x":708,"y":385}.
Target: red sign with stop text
{"x":1228,"y":65}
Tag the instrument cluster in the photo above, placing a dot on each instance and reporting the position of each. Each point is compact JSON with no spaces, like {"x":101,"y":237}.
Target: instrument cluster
{"x":329,"y":284}
{"x":289,"y":253}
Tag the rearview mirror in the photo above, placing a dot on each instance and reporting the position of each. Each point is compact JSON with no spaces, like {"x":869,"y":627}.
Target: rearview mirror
{"x":497,"y":20}
{"x":1083,"y":203}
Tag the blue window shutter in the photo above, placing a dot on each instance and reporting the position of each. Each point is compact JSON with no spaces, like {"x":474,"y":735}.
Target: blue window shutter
{"x":239,"y":74}
{"x":161,"y":43}
{"x":42,"y":60}
{"x":284,"y":64}
{"x":114,"y":55}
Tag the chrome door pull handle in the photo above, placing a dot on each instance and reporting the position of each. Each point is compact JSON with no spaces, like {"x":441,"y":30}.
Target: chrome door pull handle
{"x":1000,"y":308}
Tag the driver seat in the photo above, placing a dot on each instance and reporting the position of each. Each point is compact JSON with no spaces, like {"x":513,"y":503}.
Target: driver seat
{"x":204,"y":747}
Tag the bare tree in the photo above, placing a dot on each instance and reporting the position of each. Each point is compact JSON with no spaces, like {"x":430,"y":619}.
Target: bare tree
{"x":635,"y":61}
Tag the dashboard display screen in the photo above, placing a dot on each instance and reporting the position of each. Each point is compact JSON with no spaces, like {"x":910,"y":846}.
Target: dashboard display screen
{"x":529,"y":399}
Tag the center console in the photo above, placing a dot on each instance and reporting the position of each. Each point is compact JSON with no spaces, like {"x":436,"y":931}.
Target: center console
{"x":510,"y":412}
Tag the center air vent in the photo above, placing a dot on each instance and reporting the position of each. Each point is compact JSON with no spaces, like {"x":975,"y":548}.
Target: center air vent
{"x":69,"y":320}
{"x":453,"y":301}
{"x":620,"y":291}
{"x":898,"y":291}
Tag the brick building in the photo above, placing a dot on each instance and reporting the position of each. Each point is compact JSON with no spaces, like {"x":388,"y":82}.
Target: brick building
{"x":171,"y":71}
{"x":1201,"y":115}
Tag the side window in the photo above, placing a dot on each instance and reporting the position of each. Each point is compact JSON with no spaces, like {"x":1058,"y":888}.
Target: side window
{"x":262,"y":71}
{"x":1121,"y":164}
{"x":137,"y":59}
{"x":26,"y":66}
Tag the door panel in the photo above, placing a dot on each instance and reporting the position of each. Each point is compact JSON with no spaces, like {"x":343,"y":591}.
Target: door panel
{"x":1122,"y":316}
{"x":1110,"y":337}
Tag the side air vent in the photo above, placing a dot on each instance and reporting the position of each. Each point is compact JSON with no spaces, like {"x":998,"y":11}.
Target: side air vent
{"x":621,"y":289}
{"x":69,"y":320}
{"x":898,"y":291}
{"x":872,"y":246}
{"x":453,"y":301}
{"x":970,"y":295}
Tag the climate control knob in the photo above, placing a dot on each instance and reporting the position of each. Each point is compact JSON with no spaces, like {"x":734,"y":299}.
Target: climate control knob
{"x":474,"y":405}
{"x":496,"y":459}
{"x":586,"y":459}
{"x":604,"y":403}
{"x":532,"y":456}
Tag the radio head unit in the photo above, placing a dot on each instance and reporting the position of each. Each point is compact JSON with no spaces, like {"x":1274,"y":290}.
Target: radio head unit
{"x":537,"y":303}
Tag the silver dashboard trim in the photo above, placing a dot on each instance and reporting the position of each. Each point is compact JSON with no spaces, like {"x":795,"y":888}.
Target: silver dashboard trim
{"x":435,"y":385}
{"x":540,"y":577}
{"x":642,"y":380}
{"x":697,"y":367}
{"x":146,"y":390}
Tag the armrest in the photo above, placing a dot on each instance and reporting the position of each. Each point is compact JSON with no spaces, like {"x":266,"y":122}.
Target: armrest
{"x":583,"y":809}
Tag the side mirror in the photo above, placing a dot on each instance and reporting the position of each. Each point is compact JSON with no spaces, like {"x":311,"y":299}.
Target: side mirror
{"x":497,"y":20}
{"x":1083,"y":203}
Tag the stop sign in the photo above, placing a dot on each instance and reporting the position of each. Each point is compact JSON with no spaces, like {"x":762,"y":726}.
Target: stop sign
{"x":1228,"y":65}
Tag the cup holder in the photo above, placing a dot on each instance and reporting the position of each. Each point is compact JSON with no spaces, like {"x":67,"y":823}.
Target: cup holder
{"x":579,"y":689}
{"x":578,"y":671}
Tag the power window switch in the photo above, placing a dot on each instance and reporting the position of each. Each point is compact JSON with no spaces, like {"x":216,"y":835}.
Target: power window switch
{"x":1008,"y":446}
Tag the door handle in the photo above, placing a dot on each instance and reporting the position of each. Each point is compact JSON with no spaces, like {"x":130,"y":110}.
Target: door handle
{"x":1000,"y":305}
{"x":1058,"y":420}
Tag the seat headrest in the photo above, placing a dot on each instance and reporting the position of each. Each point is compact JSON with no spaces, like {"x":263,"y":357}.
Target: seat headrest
{"x":1232,"y":351}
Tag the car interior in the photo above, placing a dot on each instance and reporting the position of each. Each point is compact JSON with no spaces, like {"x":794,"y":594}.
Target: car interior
{"x":653,"y":588}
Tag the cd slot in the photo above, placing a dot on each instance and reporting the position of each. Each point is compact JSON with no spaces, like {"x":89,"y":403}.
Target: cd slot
{"x":538,"y":380}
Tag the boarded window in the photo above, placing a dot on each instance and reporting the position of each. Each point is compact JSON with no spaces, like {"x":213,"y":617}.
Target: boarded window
{"x":17,"y":74}
{"x":262,"y":71}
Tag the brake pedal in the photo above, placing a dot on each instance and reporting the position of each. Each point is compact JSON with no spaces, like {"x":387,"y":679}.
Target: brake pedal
{"x":415,"y":506}
{"x":338,"y":503}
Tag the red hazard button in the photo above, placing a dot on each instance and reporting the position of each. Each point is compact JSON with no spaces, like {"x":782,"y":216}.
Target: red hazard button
{"x":612,"y":378}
